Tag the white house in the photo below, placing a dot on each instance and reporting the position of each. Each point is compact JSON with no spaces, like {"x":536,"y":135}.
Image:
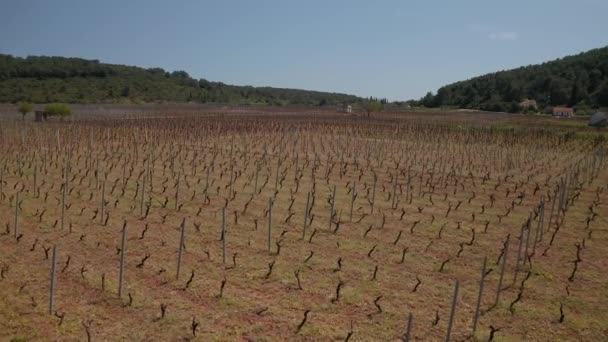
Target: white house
{"x":344,"y":108}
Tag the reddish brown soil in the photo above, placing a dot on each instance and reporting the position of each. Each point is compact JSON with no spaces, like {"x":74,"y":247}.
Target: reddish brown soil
{"x":446,"y":162}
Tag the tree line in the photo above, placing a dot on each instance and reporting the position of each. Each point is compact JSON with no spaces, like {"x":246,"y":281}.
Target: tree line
{"x":42,"y":79}
{"x":579,"y":81}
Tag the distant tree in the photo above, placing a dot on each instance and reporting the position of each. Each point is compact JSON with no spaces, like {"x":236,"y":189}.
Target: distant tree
{"x":514,"y":107}
{"x":204,"y":84}
{"x":413,"y":103}
{"x":40,"y":79}
{"x":156,"y":71}
{"x":428,"y":100}
{"x":180,"y":74}
{"x":372,"y":105}
{"x":559,"y":94}
{"x":602,"y":95}
{"x":576,"y":95}
{"x":126,"y":91}
{"x":58,"y":109}
{"x":573,"y":80}
{"x":24,"y":108}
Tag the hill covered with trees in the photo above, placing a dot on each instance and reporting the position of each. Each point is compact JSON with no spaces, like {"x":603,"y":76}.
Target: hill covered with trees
{"x":42,"y":79}
{"x":579,"y":81}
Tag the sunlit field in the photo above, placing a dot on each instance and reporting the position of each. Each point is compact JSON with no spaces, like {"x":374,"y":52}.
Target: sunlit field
{"x":175,"y":223}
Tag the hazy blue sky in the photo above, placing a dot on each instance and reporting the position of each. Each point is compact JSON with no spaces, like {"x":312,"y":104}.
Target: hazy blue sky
{"x":396,"y":48}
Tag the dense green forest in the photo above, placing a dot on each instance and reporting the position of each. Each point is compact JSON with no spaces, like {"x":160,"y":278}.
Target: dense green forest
{"x":579,"y":81}
{"x":41,"y":79}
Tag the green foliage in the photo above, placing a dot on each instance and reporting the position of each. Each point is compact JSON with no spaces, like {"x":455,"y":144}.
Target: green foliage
{"x":126,"y":91}
{"x":373,"y":105}
{"x":58,"y":109}
{"x":429,"y":100}
{"x":74,"y":80}
{"x":573,"y":81}
{"x":24,"y":108}
{"x":19,"y":339}
{"x":602,"y":95}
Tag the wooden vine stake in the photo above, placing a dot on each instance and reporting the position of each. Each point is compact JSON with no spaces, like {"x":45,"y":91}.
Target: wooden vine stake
{"x":103,"y":198}
{"x":374,"y":194}
{"x":16,"y":214}
{"x":2,"y":182}
{"x":63,"y":205}
{"x":269,"y":223}
{"x":143,"y":190}
{"x":177,"y":191}
{"x":408,"y":331}
{"x":52,"y":289}
{"x":35,"y":180}
{"x":483,"y":275}
{"x":306,"y":216}
{"x":502,"y":271}
{"x":352,"y":201}
{"x":333,"y":205}
{"x":394,"y":189}
{"x":452,"y":312}
{"x":224,"y":237}
{"x":529,"y":229}
{"x":123,"y":245}
{"x":181,"y":247}
{"x":517,"y":264}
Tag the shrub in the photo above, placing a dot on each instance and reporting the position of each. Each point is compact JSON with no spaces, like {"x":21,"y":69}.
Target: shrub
{"x":24,"y":108}
{"x":58,"y":109}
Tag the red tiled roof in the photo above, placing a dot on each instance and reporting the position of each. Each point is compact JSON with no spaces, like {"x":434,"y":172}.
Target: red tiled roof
{"x":563,"y":109}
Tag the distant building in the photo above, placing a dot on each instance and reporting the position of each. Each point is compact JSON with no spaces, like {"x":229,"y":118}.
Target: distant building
{"x":344,"y":108}
{"x":563,"y":112}
{"x":40,"y":115}
{"x":528,"y":105}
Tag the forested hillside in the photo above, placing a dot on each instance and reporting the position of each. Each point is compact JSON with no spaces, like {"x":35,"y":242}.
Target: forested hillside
{"x":42,"y":79}
{"x":580,"y":81}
